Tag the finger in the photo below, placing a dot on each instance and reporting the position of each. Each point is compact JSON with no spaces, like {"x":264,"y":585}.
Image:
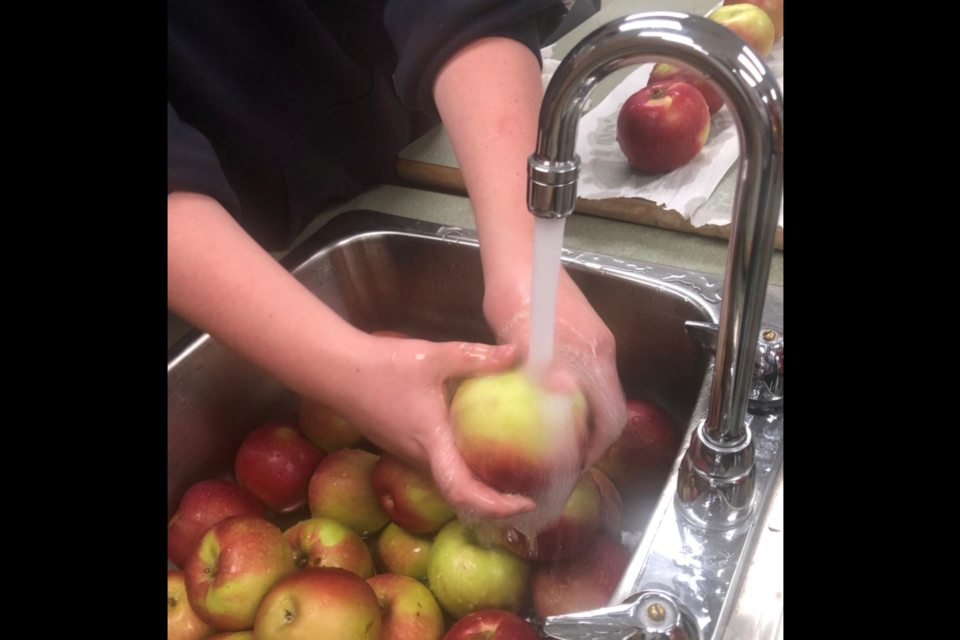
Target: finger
{"x":467,"y":359}
{"x":560,"y":381}
{"x":466,"y":494}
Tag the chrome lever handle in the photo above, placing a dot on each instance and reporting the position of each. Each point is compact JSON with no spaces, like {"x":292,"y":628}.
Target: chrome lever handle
{"x":766,"y":389}
{"x":651,"y":614}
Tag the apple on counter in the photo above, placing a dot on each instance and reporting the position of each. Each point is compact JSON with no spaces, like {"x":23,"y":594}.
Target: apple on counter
{"x":663,"y":126}
{"x":275,"y":463}
{"x":319,"y":603}
{"x":582,"y":583}
{"x":322,"y":542}
{"x":342,"y":489}
{"x":492,"y":624}
{"x":182,"y":622}
{"x":466,"y":577}
{"x":409,"y":495}
{"x":409,"y":610}
{"x":202,"y":506}
{"x":399,"y":551}
{"x":750,"y":23}
{"x":639,"y":461}
{"x":773,"y":9}
{"x":664,"y":72}
{"x":233,"y":567}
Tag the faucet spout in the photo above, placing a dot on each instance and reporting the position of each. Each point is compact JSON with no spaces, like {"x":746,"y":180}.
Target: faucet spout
{"x":754,"y":98}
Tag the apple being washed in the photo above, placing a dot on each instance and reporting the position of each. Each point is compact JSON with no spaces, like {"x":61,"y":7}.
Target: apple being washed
{"x":466,"y":577}
{"x":409,"y":610}
{"x":275,"y":463}
{"x":324,"y":603}
{"x":342,"y":489}
{"x":582,"y":583}
{"x":202,"y":506}
{"x":409,"y":495}
{"x":236,"y":635}
{"x":182,"y":622}
{"x":514,"y":436}
{"x":399,"y":551}
{"x":639,"y":461}
{"x":236,"y":563}
{"x":773,"y":9}
{"x":750,"y":23}
{"x":492,"y":624}
{"x":663,"y":126}
{"x":322,"y":542}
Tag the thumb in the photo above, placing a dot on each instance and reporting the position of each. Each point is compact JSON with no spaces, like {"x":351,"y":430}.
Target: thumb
{"x":467,"y":495}
{"x":468,"y":359}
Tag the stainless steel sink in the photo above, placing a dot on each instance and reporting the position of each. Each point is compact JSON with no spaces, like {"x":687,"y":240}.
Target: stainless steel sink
{"x":384,"y":272}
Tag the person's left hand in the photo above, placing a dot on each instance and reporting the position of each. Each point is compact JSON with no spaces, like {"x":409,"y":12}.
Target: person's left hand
{"x":584,"y":353}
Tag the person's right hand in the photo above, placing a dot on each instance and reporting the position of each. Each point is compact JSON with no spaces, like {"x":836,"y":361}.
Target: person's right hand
{"x":396,"y":395}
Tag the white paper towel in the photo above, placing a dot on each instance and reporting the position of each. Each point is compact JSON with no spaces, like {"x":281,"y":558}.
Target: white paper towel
{"x":692,"y":189}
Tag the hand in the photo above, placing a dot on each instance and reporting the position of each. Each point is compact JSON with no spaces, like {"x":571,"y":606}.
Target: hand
{"x":397,"y":397}
{"x":584,"y":353}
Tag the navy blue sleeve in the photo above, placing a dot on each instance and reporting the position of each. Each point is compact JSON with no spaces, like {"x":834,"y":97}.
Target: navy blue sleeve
{"x":426,"y":33}
{"x":192,"y":164}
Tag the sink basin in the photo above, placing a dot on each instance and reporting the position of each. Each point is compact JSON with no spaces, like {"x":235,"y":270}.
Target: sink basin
{"x":385,"y":272}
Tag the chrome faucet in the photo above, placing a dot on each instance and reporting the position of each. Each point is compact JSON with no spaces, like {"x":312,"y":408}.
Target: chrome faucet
{"x":717,"y":478}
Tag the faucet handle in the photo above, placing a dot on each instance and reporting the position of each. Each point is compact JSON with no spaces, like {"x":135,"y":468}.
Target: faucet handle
{"x":766,"y":392}
{"x":651,"y":614}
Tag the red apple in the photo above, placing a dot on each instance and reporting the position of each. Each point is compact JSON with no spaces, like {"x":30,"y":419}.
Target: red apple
{"x":236,"y":635}
{"x":202,"y":506}
{"x":668,"y":73}
{"x":321,"y":542}
{"x":516,"y":437}
{"x":571,"y":535}
{"x":409,"y":610}
{"x":611,"y":506}
{"x":773,"y":9}
{"x":399,"y":551}
{"x":466,"y":577}
{"x":389,"y":334}
{"x":750,"y":23}
{"x":663,"y":126}
{"x":182,"y":622}
{"x":326,"y":428}
{"x":641,"y":459}
{"x":233,"y":567}
{"x":275,"y":464}
{"x":410,"y":496}
{"x":342,"y":489}
{"x":492,"y":624}
{"x":582,"y":583}
{"x":324,"y":604}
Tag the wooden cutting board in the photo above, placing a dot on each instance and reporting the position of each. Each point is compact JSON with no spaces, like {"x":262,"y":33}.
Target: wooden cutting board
{"x":635,"y":210}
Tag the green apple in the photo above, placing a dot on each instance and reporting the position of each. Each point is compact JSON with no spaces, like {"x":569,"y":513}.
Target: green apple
{"x":399,"y":551}
{"x":466,"y":577}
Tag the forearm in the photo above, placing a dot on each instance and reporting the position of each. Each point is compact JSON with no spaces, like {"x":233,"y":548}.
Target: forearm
{"x":221,"y":280}
{"x":489,"y":95}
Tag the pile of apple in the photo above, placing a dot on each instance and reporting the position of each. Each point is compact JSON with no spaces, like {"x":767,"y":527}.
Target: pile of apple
{"x":665,"y":125}
{"x":381,"y":555}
